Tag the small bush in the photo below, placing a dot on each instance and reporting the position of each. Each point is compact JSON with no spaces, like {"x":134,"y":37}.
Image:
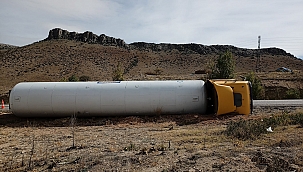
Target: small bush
{"x":131,"y":147}
{"x":118,"y":73}
{"x":258,"y":91}
{"x":63,"y":80}
{"x":252,"y":129}
{"x":245,"y":130}
{"x":84,"y":78}
{"x":297,"y":119}
{"x":73,"y":78}
{"x":292,"y":94}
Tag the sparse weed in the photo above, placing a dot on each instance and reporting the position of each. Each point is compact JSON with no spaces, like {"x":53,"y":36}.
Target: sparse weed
{"x":161,"y":147}
{"x":297,"y":119}
{"x":158,"y":71}
{"x":117,"y":74}
{"x":292,"y":94}
{"x":252,"y":129}
{"x":131,"y":147}
{"x":258,"y":90}
{"x":245,"y":129}
{"x":73,"y":78}
{"x":84,"y":78}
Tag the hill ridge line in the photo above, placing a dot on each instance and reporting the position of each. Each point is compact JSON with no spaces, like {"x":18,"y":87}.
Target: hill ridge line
{"x":91,"y":38}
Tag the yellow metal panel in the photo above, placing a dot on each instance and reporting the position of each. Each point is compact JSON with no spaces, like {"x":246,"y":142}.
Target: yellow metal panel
{"x":241,"y":87}
{"x":225,"y":99}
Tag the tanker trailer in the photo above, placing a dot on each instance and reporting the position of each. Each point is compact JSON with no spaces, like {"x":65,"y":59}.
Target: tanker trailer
{"x":116,"y":98}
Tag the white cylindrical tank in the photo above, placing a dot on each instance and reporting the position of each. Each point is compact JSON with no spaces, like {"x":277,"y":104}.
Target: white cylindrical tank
{"x":61,"y":99}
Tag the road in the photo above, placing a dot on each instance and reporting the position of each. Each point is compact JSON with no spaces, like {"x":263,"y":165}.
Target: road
{"x":279,"y":103}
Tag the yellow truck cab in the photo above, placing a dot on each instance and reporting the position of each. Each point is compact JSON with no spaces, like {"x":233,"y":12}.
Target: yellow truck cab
{"x":222,"y":91}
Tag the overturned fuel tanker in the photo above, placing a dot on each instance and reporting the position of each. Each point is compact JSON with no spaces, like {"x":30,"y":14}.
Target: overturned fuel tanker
{"x":116,"y":98}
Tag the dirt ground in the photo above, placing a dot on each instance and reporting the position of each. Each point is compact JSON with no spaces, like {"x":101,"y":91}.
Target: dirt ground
{"x":157,"y":143}
{"x":142,"y":143}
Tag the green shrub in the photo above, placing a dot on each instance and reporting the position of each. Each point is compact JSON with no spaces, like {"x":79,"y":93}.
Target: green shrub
{"x":63,"y":79}
{"x":252,"y":129}
{"x":245,"y":129}
{"x":131,"y":147}
{"x":297,"y":119}
{"x":118,"y":73}
{"x":84,"y":78}
{"x":292,"y":94}
{"x":258,"y":91}
{"x":73,"y":78}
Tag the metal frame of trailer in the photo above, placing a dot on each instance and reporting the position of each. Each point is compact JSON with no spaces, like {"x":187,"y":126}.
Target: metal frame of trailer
{"x":60,"y":99}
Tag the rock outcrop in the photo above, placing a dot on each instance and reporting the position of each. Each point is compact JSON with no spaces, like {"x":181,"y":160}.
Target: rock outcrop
{"x":87,"y":37}
{"x":204,"y":49}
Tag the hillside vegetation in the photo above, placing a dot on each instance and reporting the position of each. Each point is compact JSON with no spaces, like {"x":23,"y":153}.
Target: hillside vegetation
{"x":60,"y":56}
{"x":270,"y":139}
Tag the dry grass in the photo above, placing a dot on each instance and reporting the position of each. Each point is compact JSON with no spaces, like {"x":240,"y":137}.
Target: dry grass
{"x":160,"y":143}
{"x":57,"y":60}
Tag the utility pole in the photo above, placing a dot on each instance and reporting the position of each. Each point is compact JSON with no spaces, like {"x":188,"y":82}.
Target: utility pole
{"x":258,"y":56}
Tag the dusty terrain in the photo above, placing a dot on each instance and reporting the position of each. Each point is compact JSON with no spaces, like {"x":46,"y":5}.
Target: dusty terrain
{"x":158,"y":143}
{"x":58,"y":59}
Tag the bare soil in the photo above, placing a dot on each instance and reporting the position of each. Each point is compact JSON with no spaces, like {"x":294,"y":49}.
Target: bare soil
{"x":157,"y":143}
{"x":146,"y":143}
{"x":56,"y":60}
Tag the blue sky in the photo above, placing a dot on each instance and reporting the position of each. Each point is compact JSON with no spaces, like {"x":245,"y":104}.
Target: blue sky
{"x":208,"y":22}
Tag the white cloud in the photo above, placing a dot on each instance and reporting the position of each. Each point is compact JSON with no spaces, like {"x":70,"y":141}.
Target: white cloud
{"x":73,"y":9}
{"x":173,"y":21}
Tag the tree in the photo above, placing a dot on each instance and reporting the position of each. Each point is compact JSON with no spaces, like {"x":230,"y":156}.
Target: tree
{"x":257,"y":88}
{"x":224,"y":66}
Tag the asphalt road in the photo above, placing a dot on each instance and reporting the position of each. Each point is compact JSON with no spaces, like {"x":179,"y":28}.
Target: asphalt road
{"x":279,"y":103}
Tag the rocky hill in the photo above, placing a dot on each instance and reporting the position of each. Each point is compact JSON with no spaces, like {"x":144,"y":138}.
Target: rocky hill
{"x":91,"y":38}
{"x":6,"y":47}
{"x":65,"y":53}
